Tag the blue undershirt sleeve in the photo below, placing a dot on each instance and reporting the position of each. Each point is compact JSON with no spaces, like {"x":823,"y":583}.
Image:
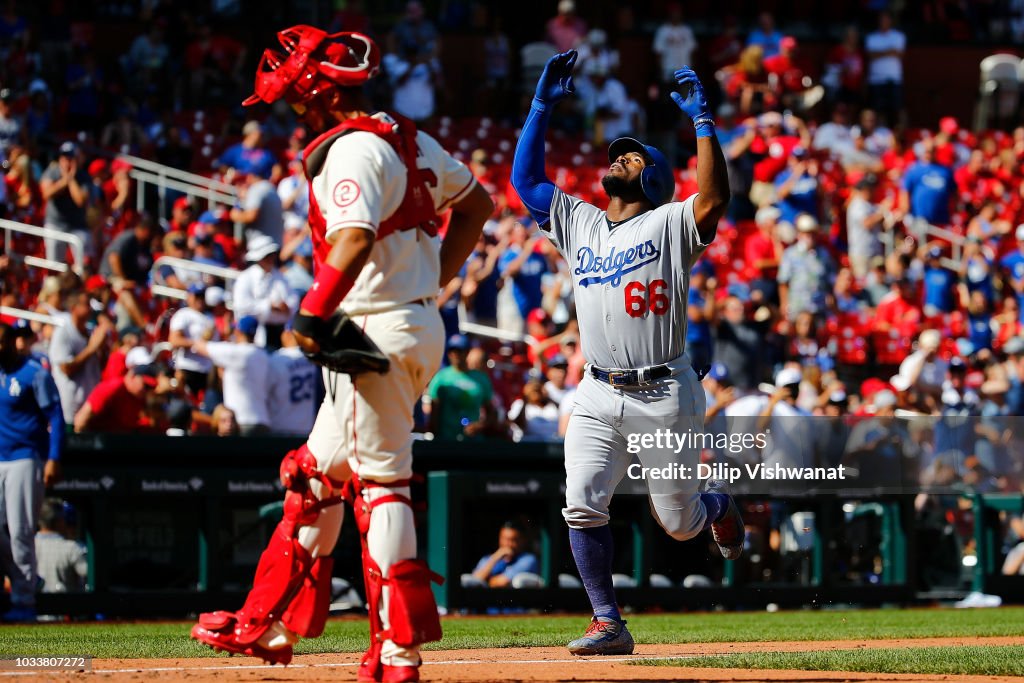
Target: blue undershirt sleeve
{"x":528,"y":175}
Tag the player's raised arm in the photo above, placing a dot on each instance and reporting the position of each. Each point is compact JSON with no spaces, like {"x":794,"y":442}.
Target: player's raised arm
{"x":712,"y":175}
{"x":528,"y":174}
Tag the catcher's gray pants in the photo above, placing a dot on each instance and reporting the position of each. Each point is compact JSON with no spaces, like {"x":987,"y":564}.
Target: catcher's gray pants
{"x":21,"y":494}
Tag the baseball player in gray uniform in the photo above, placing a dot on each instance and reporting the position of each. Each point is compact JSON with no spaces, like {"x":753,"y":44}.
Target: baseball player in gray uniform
{"x":631,"y":268}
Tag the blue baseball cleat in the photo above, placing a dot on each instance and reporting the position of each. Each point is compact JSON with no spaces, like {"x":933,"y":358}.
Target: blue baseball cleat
{"x":604,"y":636}
{"x":728,"y":532}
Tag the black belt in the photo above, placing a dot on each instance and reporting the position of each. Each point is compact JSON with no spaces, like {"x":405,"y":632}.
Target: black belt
{"x":626,"y":378}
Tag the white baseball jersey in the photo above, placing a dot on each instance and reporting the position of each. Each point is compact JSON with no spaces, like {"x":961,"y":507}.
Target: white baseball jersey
{"x":360,"y":185}
{"x":630,"y":279}
{"x":292,"y":392}
{"x":246,"y":380}
{"x":194,"y":325}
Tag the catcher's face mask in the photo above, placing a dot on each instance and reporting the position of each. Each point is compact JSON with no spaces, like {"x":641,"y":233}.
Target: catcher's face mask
{"x":313,"y":62}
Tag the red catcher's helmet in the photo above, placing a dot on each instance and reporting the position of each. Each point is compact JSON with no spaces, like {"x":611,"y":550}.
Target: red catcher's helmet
{"x":314,"y":62}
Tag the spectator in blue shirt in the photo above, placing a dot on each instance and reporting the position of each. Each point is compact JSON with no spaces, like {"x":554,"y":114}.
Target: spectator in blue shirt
{"x":928,"y":188}
{"x":976,"y":269}
{"x":523,"y":268}
{"x":797,"y":187}
{"x":939,"y":285}
{"x":508,"y":566}
{"x":765,"y":35}
{"x":700,"y":311}
{"x":979,"y":321}
{"x":31,"y":429}
{"x":248,"y":154}
{"x":1013,"y":264}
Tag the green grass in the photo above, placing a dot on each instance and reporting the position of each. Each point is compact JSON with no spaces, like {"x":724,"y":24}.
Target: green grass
{"x":966,"y":660}
{"x":129,"y":640}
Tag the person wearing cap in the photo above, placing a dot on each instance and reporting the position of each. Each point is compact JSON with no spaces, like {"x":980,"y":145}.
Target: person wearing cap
{"x":625,"y":261}
{"x":249,"y":154}
{"x":864,"y":220}
{"x":246,"y":379}
{"x":188,"y":324}
{"x":75,"y":352}
{"x":25,"y":341}
{"x":791,"y":437}
{"x":941,"y":293}
{"x":117,"y":405}
{"x":806,"y":272}
{"x":62,"y":562}
{"x":556,"y":375}
{"x":65,"y":189}
{"x":294,"y":388}
{"x":208,"y":244}
{"x":182,"y":213}
{"x":262,"y":292}
{"x":126,"y":265}
{"x":259,"y":210}
{"x":459,"y":402}
{"x":31,"y":446}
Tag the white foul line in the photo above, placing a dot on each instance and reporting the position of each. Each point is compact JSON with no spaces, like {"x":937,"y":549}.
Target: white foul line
{"x":338,"y":665}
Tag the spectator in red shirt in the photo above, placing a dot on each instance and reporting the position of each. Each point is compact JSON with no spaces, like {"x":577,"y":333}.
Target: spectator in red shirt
{"x":899,"y":309}
{"x":117,"y":405}
{"x":844,"y":69}
{"x":771,"y":147}
{"x":182,"y":215}
{"x":566,"y":30}
{"x":762,"y":252}
{"x":117,"y":363}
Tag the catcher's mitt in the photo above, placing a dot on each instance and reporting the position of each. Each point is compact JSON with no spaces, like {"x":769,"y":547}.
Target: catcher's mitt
{"x":343,"y":346}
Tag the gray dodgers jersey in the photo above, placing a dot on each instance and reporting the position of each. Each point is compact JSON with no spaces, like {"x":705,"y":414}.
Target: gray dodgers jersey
{"x":630,"y":281}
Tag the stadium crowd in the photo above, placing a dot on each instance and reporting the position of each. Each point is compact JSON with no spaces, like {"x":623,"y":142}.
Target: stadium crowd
{"x":865,"y":266}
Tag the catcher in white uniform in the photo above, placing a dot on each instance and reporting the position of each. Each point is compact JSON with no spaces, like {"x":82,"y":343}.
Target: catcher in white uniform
{"x":377,"y":186}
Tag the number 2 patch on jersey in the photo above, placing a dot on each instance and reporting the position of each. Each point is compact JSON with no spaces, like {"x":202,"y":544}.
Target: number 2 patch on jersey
{"x":345,"y":192}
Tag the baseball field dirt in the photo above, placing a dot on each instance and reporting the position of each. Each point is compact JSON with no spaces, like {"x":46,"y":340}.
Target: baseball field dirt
{"x":540,"y":664}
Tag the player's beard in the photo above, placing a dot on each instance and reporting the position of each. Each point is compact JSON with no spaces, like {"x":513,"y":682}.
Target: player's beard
{"x":617,"y":186}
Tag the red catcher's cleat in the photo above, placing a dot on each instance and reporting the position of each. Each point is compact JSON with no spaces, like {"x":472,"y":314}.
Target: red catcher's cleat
{"x":401,"y":674}
{"x":223,"y":639}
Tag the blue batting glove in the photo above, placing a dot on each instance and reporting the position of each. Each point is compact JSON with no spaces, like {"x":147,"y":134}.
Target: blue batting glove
{"x":556,"y":81}
{"x":694,"y":103}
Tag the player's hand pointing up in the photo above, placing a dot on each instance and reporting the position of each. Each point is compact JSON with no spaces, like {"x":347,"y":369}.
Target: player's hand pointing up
{"x":556,"y":81}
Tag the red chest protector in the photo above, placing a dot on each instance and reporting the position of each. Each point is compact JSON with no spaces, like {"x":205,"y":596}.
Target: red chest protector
{"x":417,"y":207}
